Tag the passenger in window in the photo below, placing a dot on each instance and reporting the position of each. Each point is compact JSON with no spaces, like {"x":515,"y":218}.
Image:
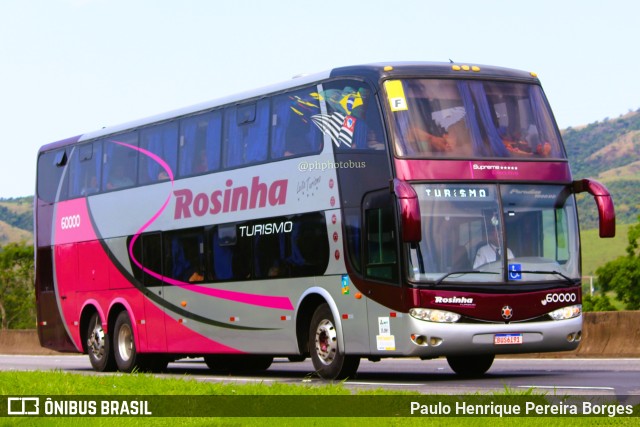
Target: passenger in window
{"x":91,"y":188}
{"x":196,"y":277}
{"x":163,"y":175}
{"x":119,"y":178}
{"x":423,"y":142}
{"x":201,"y":165}
{"x":373,"y":142}
{"x":514,"y":142}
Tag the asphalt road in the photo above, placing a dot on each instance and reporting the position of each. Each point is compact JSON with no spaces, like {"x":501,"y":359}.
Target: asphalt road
{"x":615,"y":377}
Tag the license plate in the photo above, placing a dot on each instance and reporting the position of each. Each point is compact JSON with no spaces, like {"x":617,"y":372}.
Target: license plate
{"x":507,"y":339}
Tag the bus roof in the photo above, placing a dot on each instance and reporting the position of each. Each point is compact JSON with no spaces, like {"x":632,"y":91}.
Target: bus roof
{"x":373,"y":72}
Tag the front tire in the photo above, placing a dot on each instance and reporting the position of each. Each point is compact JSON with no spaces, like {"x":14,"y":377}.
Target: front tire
{"x":471,"y":366}
{"x":328,"y":358}
{"x":99,"y":346}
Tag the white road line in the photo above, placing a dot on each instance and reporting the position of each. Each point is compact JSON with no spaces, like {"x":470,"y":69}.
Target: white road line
{"x":569,"y":387}
{"x":383,"y":384}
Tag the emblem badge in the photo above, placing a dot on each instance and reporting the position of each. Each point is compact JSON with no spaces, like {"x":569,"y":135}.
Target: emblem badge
{"x":507,"y":312}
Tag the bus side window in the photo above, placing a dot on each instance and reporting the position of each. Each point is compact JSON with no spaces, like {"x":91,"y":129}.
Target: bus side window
{"x":200,"y":144}
{"x":185,"y":256}
{"x":381,"y":242}
{"x":120,"y":163}
{"x":84,"y":170}
{"x":163,"y":142}
{"x":231,"y":254}
{"x":50,"y":167}
{"x":299,"y":248}
{"x":147,"y":250}
{"x":292,"y":130}
{"x":246,"y":133}
{"x":353,"y":120}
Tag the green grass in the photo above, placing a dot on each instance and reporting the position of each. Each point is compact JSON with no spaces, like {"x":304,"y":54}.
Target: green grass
{"x":55,"y":383}
{"x":597,"y":252}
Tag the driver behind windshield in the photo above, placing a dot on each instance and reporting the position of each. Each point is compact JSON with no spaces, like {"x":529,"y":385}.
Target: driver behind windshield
{"x":492,"y":251}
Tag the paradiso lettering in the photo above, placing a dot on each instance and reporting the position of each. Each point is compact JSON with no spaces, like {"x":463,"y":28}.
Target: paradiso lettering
{"x":230,"y":199}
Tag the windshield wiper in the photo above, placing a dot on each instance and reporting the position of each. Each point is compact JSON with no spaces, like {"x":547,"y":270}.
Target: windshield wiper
{"x":441,"y":279}
{"x":557,"y":273}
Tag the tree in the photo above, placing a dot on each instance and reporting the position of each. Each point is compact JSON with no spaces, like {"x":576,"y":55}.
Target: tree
{"x":17,"y":296}
{"x":597,"y":303}
{"x":622,"y":275}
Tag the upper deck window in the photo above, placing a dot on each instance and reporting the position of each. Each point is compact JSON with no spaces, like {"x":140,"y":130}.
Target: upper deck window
{"x":458,"y":118}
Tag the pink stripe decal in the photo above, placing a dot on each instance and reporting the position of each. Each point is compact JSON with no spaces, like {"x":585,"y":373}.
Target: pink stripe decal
{"x":277,"y":302}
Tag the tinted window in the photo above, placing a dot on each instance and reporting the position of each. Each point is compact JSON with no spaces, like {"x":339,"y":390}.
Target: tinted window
{"x":49,"y":174}
{"x":381,"y":245}
{"x":292,"y":129}
{"x":353,"y":117}
{"x":185,"y":256}
{"x":246,"y":133}
{"x":84,"y":170}
{"x":120,"y":161}
{"x":148,"y":252}
{"x":200,"y":140}
{"x":231,"y":255}
{"x":160,"y":141}
{"x":291,"y":246}
{"x":457,"y":118}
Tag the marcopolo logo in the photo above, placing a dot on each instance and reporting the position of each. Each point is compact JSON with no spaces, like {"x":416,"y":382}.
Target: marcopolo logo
{"x":71,"y":221}
{"x":559,"y":297}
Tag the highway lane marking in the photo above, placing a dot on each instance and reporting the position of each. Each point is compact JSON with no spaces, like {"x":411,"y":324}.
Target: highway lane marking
{"x":570,"y":387}
{"x":383,"y":384}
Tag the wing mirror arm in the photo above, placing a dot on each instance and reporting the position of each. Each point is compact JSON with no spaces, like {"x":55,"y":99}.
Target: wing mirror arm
{"x":604,"y":201}
{"x":409,"y":210}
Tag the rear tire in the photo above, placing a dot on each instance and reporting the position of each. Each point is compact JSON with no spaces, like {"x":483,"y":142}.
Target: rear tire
{"x":127,"y":358}
{"x":328,"y":358}
{"x":471,"y":366}
{"x":99,"y":346}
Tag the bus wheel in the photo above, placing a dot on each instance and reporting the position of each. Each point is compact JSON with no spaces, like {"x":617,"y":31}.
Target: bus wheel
{"x":99,"y":346}
{"x":124,"y":344}
{"x":328,"y":359}
{"x":471,"y":366}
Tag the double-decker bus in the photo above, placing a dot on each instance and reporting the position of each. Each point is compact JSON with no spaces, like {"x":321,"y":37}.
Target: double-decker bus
{"x":376,"y":211}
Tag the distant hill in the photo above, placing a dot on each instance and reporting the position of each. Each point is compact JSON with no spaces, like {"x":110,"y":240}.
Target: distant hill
{"x":608,"y":151}
{"x":16,"y":220}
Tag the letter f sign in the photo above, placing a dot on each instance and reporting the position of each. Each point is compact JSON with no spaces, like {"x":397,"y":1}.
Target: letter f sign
{"x":398,"y":104}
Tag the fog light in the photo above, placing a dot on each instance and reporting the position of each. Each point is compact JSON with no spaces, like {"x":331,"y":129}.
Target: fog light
{"x":578,"y":335}
{"x":419,"y":339}
{"x":435,"y":341}
{"x":571,"y":337}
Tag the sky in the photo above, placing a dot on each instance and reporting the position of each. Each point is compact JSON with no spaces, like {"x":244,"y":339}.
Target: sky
{"x":68,"y":67}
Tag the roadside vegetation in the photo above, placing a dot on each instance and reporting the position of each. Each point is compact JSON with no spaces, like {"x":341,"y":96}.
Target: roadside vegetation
{"x":67,"y":384}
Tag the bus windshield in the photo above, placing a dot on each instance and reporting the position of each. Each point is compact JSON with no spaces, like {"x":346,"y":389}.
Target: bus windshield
{"x":471,"y":118}
{"x":466,"y":228}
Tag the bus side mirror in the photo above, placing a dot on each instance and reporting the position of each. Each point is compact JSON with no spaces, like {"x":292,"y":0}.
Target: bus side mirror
{"x":606,"y":211}
{"x":409,"y":211}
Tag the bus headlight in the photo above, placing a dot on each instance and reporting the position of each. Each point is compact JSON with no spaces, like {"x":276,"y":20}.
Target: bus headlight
{"x":431,"y":315}
{"x":566,"y":312}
